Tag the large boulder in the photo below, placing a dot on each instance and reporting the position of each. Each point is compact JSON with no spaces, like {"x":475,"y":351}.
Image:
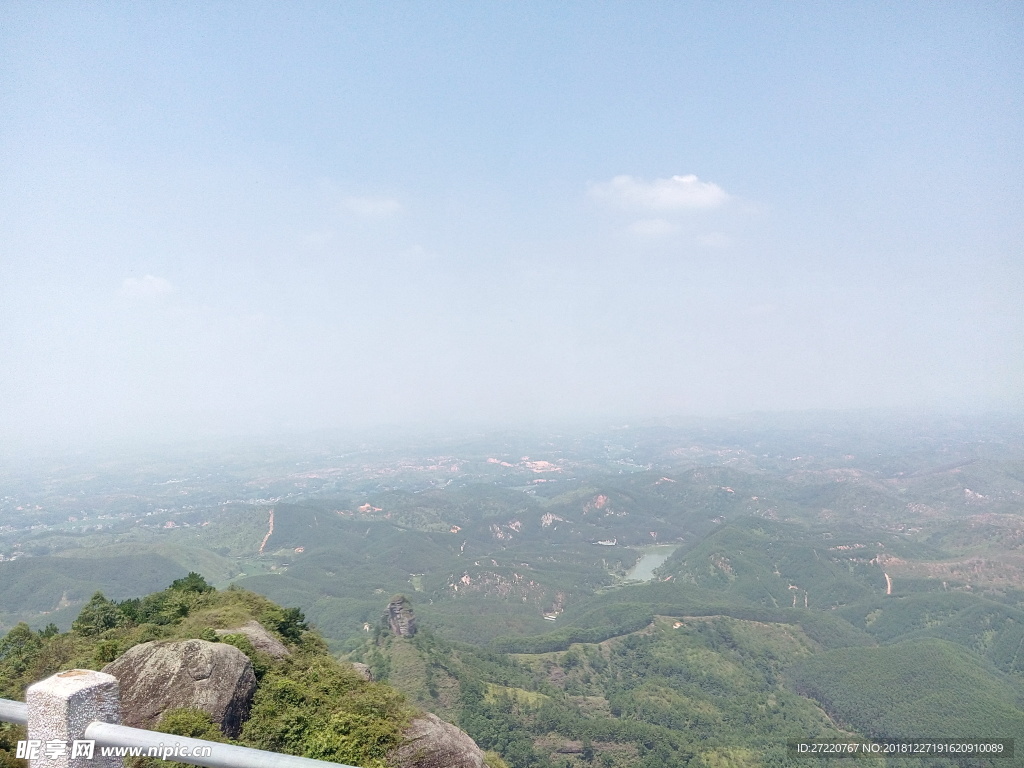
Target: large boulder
{"x":155,"y":677}
{"x":259,"y":637}
{"x":430,"y":742}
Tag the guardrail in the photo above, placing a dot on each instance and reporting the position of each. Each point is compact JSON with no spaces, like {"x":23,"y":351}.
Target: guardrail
{"x":72,"y":713}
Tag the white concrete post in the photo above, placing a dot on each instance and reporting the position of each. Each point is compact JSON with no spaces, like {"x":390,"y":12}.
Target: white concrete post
{"x":60,"y":708}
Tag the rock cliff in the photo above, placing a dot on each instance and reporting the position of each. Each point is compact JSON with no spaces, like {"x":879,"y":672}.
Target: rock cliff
{"x":158,"y":676}
{"x":399,"y":617}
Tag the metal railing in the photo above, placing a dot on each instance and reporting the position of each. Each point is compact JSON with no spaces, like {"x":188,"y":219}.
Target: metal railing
{"x":13,"y":712}
{"x":70,"y":707}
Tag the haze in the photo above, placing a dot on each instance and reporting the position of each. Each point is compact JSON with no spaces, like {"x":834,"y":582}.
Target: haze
{"x":220,"y":218}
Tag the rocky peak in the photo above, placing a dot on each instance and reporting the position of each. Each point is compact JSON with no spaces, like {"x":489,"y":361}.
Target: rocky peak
{"x":399,"y":616}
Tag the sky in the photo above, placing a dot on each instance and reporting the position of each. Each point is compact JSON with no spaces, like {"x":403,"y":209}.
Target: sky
{"x":236,"y":217}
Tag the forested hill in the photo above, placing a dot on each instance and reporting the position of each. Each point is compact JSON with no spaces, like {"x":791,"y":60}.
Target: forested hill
{"x":710,"y":684}
{"x":800,"y":582}
{"x":305,"y":703}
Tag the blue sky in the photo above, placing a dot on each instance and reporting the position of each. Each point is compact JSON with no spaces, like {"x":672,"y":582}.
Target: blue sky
{"x":224,"y":217}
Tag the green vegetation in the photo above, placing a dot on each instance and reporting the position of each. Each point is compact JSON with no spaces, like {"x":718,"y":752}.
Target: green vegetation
{"x":314,"y":707}
{"x":806,"y":555}
{"x":678,"y":692}
{"x":305,"y":704}
{"x":913,"y":689}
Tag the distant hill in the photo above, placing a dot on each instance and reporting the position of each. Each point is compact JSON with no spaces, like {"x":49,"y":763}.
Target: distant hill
{"x":48,"y":583}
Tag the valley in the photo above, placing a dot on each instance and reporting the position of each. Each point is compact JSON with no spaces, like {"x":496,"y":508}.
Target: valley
{"x":664,"y":594}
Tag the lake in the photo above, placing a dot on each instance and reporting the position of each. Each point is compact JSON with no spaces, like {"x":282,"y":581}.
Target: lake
{"x":651,"y":558}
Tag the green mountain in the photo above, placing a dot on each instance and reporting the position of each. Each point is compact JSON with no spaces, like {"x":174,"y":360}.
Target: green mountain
{"x":803,"y":555}
{"x":720,"y":686}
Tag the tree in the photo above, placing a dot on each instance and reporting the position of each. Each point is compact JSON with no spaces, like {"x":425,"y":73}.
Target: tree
{"x":289,"y":622}
{"x":194,"y":582}
{"x":588,"y":750}
{"x":17,"y":648}
{"x":98,"y":615}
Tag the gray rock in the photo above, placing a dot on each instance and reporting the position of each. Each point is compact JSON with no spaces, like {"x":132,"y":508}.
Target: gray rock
{"x":400,"y":618}
{"x":432,"y":743}
{"x":155,"y":677}
{"x":259,"y":637}
{"x":363,"y":670}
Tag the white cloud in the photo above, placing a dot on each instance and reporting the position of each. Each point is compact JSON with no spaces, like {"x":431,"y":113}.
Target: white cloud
{"x":145,"y":287}
{"x":679,"y":193}
{"x":372,"y":207}
{"x":652,"y":227}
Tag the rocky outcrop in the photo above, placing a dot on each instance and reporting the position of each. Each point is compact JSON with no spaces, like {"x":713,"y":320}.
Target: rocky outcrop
{"x":155,"y":677}
{"x":430,"y":742}
{"x":259,"y":637}
{"x":399,"y":617}
{"x":363,"y":670}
